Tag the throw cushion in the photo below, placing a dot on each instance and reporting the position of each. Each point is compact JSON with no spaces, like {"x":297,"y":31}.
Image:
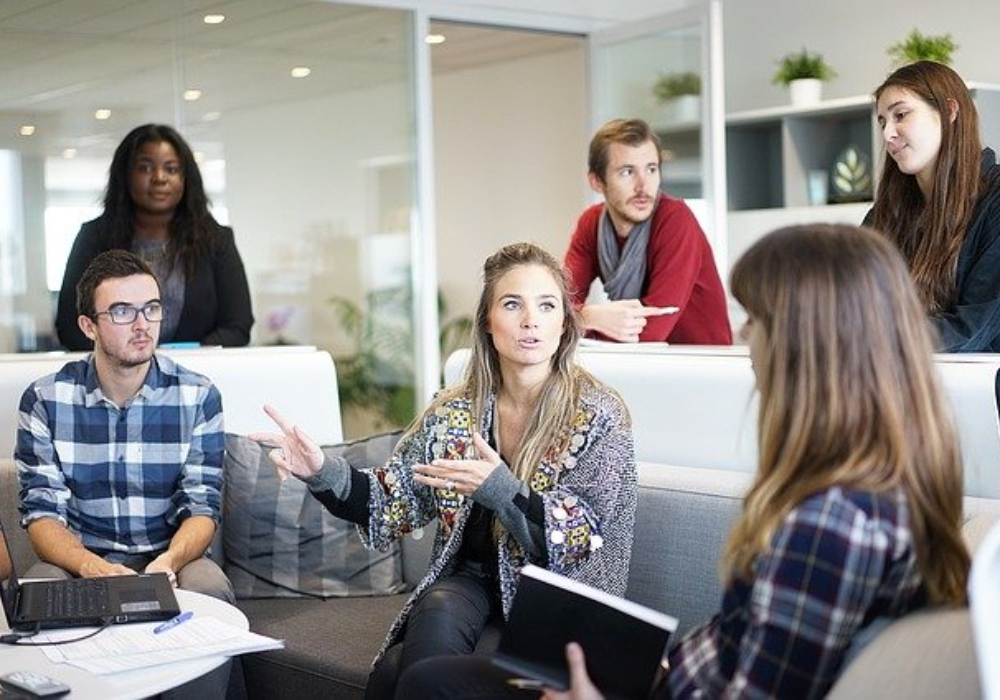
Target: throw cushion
{"x":281,"y":542}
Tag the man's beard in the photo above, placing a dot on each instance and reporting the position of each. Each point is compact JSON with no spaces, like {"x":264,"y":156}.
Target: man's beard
{"x":127,"y":358}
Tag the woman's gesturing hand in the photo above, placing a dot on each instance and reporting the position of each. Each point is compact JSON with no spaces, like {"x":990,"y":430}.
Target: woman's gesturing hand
{"x":463,"y":476}
{"x":292,"y":451}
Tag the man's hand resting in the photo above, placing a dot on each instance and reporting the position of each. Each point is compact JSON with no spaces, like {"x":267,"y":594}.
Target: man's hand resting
{"x":621,"y":320}
{"x":96,"y":566}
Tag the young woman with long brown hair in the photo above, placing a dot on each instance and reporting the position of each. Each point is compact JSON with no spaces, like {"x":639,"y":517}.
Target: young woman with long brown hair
{"x":855,"y":512}
{"x":938,"y":200}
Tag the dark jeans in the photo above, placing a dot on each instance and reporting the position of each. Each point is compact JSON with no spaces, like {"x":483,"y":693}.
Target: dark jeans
{"x":472,"y":678}
{"x":447,"y":620}
{"x":450,"y":677}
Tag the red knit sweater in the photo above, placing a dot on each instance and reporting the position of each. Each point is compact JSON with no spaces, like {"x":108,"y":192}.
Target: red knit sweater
{"x":680,"y":271}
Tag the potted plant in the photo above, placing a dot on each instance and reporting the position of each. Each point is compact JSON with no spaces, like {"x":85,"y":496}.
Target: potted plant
{"x":803,"y":72}
{"x":681,"y":92}
{"x":375,"y":381}
{"x":918,"y":47}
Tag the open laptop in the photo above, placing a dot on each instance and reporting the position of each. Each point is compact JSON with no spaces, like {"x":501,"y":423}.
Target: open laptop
{"x":83,"y":602}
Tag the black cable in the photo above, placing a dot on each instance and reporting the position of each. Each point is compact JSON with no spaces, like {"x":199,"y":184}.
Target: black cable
{"x":16,"y":638}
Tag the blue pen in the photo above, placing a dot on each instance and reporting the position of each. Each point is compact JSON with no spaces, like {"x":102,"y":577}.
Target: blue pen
{"x":170,"y":624}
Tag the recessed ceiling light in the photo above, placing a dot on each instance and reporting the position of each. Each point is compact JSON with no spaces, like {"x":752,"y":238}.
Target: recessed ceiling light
{"x":102,"y":114}
{"x":301,"y":72}
{"x":69,"y":153}
{"x":192,"y":95}
{"x":27,"y":129}
{"x":434,"y":38}
{"x":214,"y":19}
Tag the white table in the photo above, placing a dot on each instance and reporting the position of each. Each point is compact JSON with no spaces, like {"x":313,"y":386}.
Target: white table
{"x":140,"y":683}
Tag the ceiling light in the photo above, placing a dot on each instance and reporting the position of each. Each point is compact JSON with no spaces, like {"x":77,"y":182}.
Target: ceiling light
{"x":214,"y":19}
{"x":102,"y":114}
{"x":192,"y":95}
{"x":211,"y":116}
{"x":301,"y":72}
{"x":69,"y":153}
{"x":27,"y":129}
{"x":434,"y":39}
{"x":199,"y":157}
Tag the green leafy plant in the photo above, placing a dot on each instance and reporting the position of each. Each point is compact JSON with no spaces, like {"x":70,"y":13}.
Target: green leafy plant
{"x":802,"y":64}
{"x":378,"y":375}
{"x":919,"y":47}
{"x":672,"y":85}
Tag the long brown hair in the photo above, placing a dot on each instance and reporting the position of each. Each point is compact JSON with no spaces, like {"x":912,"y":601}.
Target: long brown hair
{"x":848,"y":393}
{"x":930,"y":232}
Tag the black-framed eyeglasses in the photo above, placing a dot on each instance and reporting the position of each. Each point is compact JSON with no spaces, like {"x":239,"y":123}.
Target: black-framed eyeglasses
{"x":122,"y":314}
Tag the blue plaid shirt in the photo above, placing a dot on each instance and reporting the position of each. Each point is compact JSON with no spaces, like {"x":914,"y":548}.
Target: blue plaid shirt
{"x":840,"y":559}
{"x":122,"y":479}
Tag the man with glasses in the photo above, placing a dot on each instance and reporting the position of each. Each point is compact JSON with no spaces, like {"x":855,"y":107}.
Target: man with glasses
{"x":119,"y":455}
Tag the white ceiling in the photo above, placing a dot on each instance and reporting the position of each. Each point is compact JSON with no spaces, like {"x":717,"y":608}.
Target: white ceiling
{"x":60,"y":60}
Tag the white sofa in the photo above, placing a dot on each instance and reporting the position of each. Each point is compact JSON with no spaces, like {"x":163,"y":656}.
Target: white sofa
{"x":298,"y":380}
{"x":696,"y":406}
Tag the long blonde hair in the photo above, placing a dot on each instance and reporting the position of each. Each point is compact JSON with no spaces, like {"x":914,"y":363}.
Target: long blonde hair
{"x":848,"y":393}
{"x":557,"y":403}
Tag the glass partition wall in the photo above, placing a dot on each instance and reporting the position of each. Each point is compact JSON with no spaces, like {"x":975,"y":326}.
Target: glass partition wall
{"x":668,"y":71}
{"x":302,"y":117}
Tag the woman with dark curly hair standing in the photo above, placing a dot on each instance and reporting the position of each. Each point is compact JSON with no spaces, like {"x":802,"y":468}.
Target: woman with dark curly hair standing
{"x":155,"y":205}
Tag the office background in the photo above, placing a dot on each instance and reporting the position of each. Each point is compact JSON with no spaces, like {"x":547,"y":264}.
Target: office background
{"x":323,"y":182}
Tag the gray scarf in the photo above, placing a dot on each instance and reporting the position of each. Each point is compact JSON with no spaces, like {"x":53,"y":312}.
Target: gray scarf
{"x":623,"y":271}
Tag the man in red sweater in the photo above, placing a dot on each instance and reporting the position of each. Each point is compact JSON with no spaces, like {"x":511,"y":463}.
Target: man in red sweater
{"x":646,"y":248}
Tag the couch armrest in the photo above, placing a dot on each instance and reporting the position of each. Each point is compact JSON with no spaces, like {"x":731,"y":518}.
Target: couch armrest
{"x":17,"y":538}
{"x":927,"y":654}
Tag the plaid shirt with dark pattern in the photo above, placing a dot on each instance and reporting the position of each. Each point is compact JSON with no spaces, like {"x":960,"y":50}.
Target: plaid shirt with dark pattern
{"x":840,"y":559}
{"x":120,"y":478}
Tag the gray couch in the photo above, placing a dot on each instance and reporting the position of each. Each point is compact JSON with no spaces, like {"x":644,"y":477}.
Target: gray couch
{"x":683,"y":517}
{"x":690,"y":407}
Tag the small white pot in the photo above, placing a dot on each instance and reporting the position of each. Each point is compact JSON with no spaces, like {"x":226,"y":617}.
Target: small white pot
{"x":686,"y":108}
{"x":806,"y":91}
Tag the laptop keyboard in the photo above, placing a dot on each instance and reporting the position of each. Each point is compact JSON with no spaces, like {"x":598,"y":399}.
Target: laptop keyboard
{"x":84,"y":597}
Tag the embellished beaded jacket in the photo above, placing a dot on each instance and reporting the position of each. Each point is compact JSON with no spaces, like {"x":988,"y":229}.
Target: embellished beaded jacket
{"x":587,"y":482}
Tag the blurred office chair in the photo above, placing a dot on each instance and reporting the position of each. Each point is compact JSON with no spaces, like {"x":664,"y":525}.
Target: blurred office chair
{"x":984,"y":605}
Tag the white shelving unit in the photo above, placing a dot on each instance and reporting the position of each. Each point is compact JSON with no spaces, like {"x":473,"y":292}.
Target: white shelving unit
{"x":769,"y":152}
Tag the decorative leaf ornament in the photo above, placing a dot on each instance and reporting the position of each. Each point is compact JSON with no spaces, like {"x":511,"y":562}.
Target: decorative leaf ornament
{"x":852,"y":175}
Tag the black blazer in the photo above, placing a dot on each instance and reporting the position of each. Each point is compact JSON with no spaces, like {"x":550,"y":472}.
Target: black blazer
{"x":217,"y":308}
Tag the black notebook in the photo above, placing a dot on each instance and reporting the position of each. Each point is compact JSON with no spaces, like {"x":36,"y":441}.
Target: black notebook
{"x":624,"y":642}
{"x":82,"y":602}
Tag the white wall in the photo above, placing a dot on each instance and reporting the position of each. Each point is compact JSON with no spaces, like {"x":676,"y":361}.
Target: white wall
{"x":853,"y":36}
{"x":510,"y":162}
